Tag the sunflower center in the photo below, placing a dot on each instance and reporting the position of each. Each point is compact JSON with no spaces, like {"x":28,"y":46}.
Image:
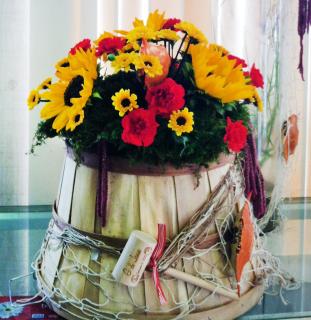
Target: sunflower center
{"x":65,"y":65}
{"x":181,"y":121}
{"x":148,"y":64}
{"x":125,"y":102}
{"x":73,"y":90}
{"x":77,"y":118}
{"x":33,"y":98}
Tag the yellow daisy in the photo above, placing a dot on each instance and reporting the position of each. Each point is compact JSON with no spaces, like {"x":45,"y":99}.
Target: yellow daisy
{"x":257,"y":100}
{"x":167,"y":34}
{"x":218,"y":76}
{"x":146,"y":31}
{"x":45,"y":84}
{"x":181,"y":121}
{"x":192,"y":31}
{"x":75,"y":117}
{"x":150,"y":64}
{"x":33,"y":99}
{"x":155,"y":20}
{"x":124,"y":101}
{"x":64,"y":95}
{"x":124,"y":61}
{"x":139,"y":33}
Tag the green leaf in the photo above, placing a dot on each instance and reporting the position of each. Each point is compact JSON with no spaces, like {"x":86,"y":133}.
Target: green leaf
{"x":96,"y":94}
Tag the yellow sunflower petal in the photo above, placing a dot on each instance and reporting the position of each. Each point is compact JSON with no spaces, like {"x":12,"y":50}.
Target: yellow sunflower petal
{"x":167,"y":34}
{"x":61,"y":120}
{"x":192,"y":31}
{"x":75,"y":118}
{"x":63,"y":71}
{"x":257,"y":100}
{"x":85,"y":60}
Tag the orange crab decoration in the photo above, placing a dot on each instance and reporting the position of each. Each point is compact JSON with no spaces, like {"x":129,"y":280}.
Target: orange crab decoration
{"x":291,"y":134}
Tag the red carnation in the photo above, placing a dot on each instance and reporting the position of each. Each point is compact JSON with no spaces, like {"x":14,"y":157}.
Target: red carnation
{"x":110,"y":45}
{"x":170,"y":23}
{"x":166,"y":97}
{"x":84,"y":44}
{"x":139,"y":128}
{"x":238,"y":61}
{"x":235,"y":136}
{"x":256,"y":77}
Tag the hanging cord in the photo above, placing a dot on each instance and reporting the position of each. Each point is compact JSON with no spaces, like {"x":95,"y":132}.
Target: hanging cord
{"x":304,"y":22}
{"x":102,"y":186}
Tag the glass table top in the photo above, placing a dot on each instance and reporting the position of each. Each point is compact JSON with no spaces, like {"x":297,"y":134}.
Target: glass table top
{"x":22,"y":230}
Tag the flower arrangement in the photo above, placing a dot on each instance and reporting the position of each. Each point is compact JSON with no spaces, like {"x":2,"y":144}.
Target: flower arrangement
{"x":159,"y":93}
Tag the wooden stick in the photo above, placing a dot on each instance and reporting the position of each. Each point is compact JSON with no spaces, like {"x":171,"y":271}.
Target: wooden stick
{"x":205,"y":284}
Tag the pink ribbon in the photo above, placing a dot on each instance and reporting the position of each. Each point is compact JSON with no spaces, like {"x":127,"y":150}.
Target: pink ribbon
{"x":156,"y":255}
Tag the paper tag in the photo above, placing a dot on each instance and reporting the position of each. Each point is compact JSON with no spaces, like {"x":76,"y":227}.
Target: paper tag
{"x":134,"y":258}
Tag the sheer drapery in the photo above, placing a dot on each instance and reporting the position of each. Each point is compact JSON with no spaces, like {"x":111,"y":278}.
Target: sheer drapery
{"x":35,"y":34}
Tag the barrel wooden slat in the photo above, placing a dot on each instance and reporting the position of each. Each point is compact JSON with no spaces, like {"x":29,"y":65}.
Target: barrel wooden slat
{"x":54,"y":252}
{"x":123,"y":216}
{"x":85,"y":180}
{"x":190,"y":197}
{"x":61,"y":182}
{"x":158,"y":205}
{"x":51,"y":258}
{"x":65,"y":198}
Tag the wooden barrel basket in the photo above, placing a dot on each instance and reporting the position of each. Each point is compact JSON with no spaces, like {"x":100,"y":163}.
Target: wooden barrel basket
{"x":76,"y":280}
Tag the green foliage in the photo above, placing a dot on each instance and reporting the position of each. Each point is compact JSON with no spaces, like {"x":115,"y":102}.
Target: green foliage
{"x":102,"y":122}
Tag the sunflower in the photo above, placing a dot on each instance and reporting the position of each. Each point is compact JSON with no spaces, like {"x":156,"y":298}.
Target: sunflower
{"x":63,"y":71}
{"x":150,"y":64}
{"x":218,"y":76}
{"x":124,"y":101}
{"x":86,"y":60}
{"x":75,"y":117}
{"x":124,"y":61}
{"x":64,"y":95}
{"x":45,"y":84}
{"x":192,"y":31}
{"x":33,"y":99}
{"x":181,"y":121}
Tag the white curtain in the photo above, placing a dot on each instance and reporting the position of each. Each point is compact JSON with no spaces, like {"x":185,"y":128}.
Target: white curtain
{"x":34,"y":34}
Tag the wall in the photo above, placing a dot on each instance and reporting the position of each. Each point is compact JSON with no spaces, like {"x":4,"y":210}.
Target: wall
{"x":35,"y":34}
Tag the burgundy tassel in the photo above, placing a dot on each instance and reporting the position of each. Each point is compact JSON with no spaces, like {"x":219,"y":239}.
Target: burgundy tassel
{"x":102,"y":185}
{"x":304,"y":22}
{"x":254,"y":182}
